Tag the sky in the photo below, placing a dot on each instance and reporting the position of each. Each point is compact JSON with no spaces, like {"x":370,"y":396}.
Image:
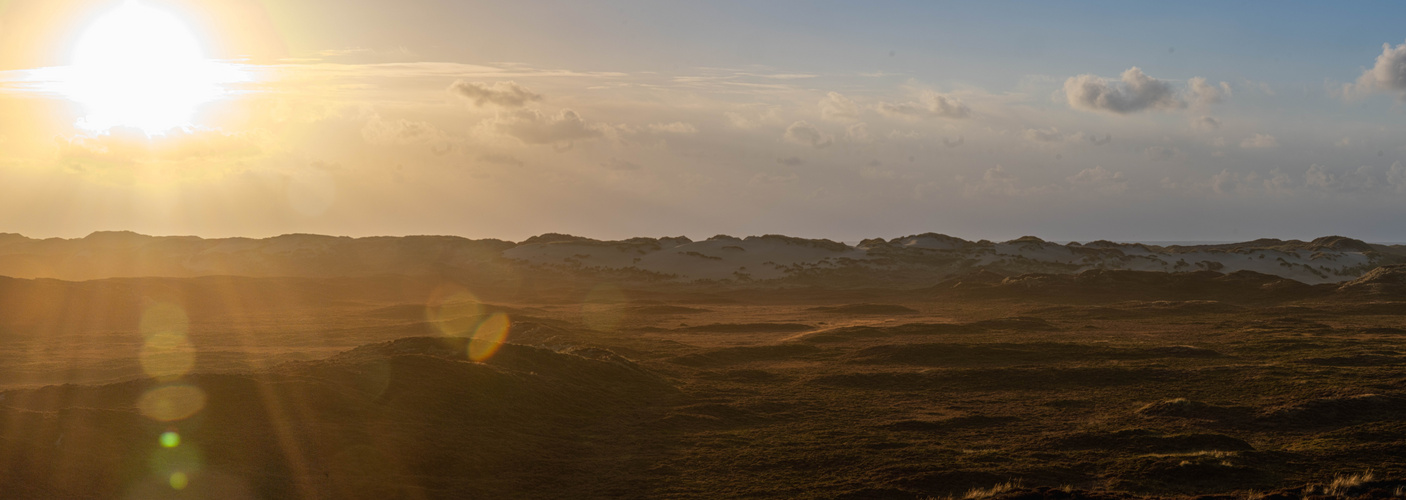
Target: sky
{"x":614,"y":119}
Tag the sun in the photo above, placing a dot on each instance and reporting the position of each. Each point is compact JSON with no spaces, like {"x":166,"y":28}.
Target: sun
{"x":140,"y":67}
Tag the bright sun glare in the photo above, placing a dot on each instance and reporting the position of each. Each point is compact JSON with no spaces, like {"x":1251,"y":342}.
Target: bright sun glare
{"x":139,"y":67}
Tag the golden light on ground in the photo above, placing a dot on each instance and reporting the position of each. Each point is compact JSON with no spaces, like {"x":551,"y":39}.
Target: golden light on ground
{"x":167,"y":353}
{"x":140,"y":67}
{"x":600,"y":309}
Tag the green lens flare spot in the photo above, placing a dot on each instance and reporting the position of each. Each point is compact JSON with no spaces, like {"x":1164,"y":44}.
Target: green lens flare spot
{"x":170,"y":439}
{"x":179,"y":480}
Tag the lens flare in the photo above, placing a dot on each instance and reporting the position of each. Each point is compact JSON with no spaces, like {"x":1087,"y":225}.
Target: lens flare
{"x":170,"y":439}
{"x":489,"y":336}
{"x":167,"y":356}
{"x":163,"y":317}
{"x":172,"y":402}
{"x":179,"y":480}
{"x":166,"y":352}
{"x":454,"y":311}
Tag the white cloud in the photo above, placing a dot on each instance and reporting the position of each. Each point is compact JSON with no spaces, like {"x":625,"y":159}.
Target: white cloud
{"x":507,"y":94}
{"x":1206,"y":94}
{"x":1135,"y":92}
{"x":1387,"y":75}
{"x":952,"y":143}
{"x":837,"y":107}
{"x":802,"y":132}
{"x":1259,"y":141}
{"x":930,"y":104}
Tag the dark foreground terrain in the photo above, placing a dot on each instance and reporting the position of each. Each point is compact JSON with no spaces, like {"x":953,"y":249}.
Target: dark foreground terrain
{"x":1097,"y":385}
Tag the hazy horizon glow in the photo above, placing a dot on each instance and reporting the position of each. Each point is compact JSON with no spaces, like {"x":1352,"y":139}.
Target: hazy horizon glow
{"x":1078,"y":122}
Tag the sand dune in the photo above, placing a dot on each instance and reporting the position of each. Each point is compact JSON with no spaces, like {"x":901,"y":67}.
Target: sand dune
{"x":1093,"y":384}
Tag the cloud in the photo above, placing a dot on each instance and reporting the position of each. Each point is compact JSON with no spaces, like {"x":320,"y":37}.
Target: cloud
{"x":1135,"y":92}
{"x":1100,"y":179}
{"x":1387,"y":75}
{"x":837,"y":107}
{"x":1096,"y":140}
{"x":124,"y":146}
{"x":858,"y":133}
{"x":500,"y":160}
{"x":1206,"y":123}
{"x":739,"y":120}
{"x":533,"y":127}
{"x":1051,"y":134}
{"x":1164,"y":153}
{"x":999,"y":181}
{"x":930,"y":104}
{"x":618,"y":164}
{"x":791,"y":161}
{"x":1396,"y":177}
{"x":1206,"y":94}
{"x":954,"y":143}
{"x":507,"y":94}
{"x":1259,"y":141}
{"x":1316,"y":180}
{"x":680,"y":128}
{"x":763,"y":179}
{"x":1364,"y":179}
{"x":381,"y":132}
{"x":1226,"y":182}
{"x":802,"y":132}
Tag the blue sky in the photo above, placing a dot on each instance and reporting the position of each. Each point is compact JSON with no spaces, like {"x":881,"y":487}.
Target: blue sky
{"x":844,"y":120}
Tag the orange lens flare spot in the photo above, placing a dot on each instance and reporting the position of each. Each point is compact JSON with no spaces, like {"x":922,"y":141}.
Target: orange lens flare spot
{"x":171,"y":403}
{"x":489,"y":336}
